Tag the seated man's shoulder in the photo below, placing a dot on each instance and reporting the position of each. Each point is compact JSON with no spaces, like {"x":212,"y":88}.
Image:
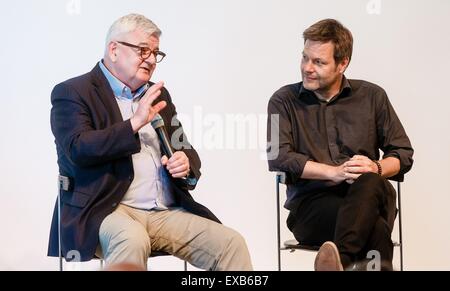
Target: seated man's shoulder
{"x":362,"y":85}
{"x":79,"y":82}
{"x":287,"y":91}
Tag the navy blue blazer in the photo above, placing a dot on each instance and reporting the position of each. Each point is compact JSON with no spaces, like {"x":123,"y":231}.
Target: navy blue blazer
{"x":94,"y":146}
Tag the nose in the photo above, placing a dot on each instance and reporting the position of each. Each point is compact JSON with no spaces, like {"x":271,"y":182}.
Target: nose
{"x":307,"y":66}
{"x":151,"y":59}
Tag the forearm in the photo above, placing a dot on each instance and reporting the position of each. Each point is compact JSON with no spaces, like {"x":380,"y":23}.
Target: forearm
{"x":390,"y":166}
{"x":317,"y":171}
{"x":93,"y":147}
{"x":80,"y":135}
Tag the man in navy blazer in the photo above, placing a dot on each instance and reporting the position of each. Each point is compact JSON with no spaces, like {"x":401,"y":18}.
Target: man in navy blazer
{"x":121,"y":198}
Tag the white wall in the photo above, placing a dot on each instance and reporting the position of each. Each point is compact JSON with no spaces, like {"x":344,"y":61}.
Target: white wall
{"x":223,"y":58}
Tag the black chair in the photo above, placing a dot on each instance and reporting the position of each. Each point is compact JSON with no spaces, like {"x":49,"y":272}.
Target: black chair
{"x":293,"y":245}
{"x":153,"y":254}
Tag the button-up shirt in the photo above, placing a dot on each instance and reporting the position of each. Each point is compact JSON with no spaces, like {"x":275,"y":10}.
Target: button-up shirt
{"x":359,"y":120}
{"x":151,"y":187}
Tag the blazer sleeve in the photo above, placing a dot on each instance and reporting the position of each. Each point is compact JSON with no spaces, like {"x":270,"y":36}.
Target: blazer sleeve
{"x":72,"y":123}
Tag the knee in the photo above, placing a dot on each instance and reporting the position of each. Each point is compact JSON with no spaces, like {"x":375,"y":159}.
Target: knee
{"x":237,"y":242}
{"x":370,"y":185}
{"x":370,"y":180}
{"x":137,"y":243}
{"x":231,"y":252}
{"x":377,"y":183}
{"x":130,"y":241}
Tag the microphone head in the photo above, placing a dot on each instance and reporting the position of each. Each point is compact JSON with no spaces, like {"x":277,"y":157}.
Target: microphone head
{"x":157,"y":121}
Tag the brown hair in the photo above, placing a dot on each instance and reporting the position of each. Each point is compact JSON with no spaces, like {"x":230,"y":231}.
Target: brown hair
{"x":332,"y":30}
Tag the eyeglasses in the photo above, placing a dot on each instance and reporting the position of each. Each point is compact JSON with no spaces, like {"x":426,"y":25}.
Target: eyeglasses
{"x":145,"y":52}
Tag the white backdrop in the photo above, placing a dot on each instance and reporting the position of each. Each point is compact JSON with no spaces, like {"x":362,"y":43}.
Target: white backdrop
{"x":225,"y":58}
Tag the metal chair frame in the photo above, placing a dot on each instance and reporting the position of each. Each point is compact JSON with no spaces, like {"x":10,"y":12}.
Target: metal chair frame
{"x":61,"y":264}
{"x":292,"y":245}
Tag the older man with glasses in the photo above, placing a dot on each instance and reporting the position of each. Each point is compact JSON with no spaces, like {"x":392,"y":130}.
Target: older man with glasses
{"x":121,"y":197}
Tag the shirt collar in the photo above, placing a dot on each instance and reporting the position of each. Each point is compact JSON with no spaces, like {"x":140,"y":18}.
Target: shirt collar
{"x":120,"y":90}
{"x":344,"y":91}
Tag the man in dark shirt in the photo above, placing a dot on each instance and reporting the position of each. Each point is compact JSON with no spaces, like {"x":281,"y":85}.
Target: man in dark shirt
{"x":326,"y":133}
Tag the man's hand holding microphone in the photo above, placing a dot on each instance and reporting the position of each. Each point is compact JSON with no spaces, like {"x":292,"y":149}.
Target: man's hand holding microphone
{"x":177,"y":163}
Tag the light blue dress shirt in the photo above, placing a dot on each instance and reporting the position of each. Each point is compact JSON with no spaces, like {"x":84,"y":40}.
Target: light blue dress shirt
{"x":151,"y":187}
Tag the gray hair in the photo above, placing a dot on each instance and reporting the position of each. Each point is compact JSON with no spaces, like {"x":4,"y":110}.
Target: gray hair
{"x":130,"y":23}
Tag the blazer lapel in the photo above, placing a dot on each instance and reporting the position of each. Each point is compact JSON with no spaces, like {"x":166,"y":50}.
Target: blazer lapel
{"x":105,"y":93}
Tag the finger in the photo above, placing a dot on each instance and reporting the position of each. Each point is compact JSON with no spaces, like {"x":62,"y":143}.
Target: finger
{"x":360,"y":163}
{"x":350,"y":181}
{"x":359,"y":157}
{"x":152,"y":93}
{"x":159,"y":106}
{"x":181,"y":174}
{"x":176,"y":163}
{"x":179,"y":158}
{"x":351,"y":176}
{"x":164,"y":160}
{"x":178,"y":155}
{"x":148,"y":99}
{"x":358,"y":170}
{"x":354,"y":163}
{"x":352,"y":170}
{"x":180,"y":169}
{"x":154,"y":88}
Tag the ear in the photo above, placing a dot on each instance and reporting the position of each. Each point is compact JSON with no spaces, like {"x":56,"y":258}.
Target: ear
{"x":112,"y":51}
{"x":343,"y":65}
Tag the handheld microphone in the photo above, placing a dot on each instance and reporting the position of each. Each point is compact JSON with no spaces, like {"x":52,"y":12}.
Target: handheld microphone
{"x":158,"y":125}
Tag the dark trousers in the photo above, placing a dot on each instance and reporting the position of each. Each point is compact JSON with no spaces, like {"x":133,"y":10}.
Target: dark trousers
{"x":357,"y":218}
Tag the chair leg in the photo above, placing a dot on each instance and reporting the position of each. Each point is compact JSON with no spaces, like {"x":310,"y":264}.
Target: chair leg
{"x":278,"y":221}
{"x":59,"y":229}
{"x":400,"y":232}
{"x":185,"y":266}
{"x":60,"y":263}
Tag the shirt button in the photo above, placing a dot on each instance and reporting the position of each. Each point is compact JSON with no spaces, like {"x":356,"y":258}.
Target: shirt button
{"x":130,"y":178}
{"x":114,"y":205}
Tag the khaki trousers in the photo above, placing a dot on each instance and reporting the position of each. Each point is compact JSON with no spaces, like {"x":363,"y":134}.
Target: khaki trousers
{"x":129,"y":235}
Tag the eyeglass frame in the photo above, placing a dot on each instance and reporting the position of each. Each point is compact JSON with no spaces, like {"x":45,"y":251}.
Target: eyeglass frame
{"x":143,"y":51}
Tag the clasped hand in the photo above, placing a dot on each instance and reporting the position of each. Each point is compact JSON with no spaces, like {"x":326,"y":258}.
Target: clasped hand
{"x":355,"y":167}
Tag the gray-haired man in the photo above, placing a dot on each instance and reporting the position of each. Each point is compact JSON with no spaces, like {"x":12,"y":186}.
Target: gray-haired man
{"x":125,"y":199}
